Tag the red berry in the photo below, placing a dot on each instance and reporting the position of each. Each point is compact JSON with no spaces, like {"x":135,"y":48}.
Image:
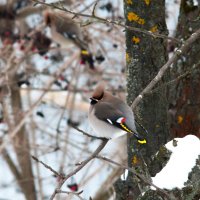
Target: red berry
{"x":82,"y":62}
{"x":33,"y":49}
{"x":22,"y":48}
{"x":7,"y":33}
{"x":62,"y":78}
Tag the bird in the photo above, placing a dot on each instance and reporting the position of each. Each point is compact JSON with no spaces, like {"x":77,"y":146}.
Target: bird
{"x":110,"y":117}
{"x":7,"y":25}
{"x":66,"y":31}
{"x":41,"y":42}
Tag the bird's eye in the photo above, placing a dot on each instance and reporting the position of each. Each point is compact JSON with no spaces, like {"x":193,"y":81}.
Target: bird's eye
{"x":93,"y":101}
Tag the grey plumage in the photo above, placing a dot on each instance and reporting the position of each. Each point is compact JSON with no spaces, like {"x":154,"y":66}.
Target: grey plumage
{"x":109,"y":116}
{"x":64,"y":29}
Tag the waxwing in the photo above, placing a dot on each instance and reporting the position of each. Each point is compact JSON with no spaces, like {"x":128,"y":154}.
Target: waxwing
{"x":110,"y":117}
{"x":41,"y":42}
{"x":7,"y":25}
{"x":66,"y":31}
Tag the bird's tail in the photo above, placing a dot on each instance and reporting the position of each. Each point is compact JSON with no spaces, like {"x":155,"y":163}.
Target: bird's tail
{"x":140,"y":139}
{"x":87,"y":58}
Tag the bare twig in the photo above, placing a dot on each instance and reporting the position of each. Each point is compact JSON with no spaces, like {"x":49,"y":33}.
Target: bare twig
{"x":181,"y":76}
{"x":75,"y":76}
{"x":65,"y":106}
{"x":184,"y":48}
{"x":107,"y":21}
{"x":81,"y":165}
{"x":70,"y":89}
{"x":73,"y":193}
{"x":86,"y":134}
{"x":47,"y":166}
{"x":88,"y":6}
{"x":94,"y":7}
{"x":29,"y":112}
{"x":63,"y":177}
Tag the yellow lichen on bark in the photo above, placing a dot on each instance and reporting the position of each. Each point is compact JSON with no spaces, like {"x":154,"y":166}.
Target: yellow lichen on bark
{"x":154,"y":29}
{"x":136,"y":40}
{"x":129,"y":2}
{"x":134,"y":160}
{"x":134,"y":17}
{"x":179,"y":119}
{"x":127,"y":58}
{"x":147,"y":2}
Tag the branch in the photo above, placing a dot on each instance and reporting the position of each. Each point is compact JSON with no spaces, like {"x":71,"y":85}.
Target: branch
{"x":181,"y":76}
{"x":81,"y":165}
{"x":46,"y":166}
{"x":13,"y":133}
{"x":107,"y":21}
{"x":74,"y":193}
{"x":183,"y":49}
{"x":93,"y":11}
{"x":86,"y":134}
{"x":145,"y":180}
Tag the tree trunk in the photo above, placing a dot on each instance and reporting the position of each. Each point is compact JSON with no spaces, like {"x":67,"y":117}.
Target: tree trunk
{"x":22,"y":149}
{"x":23,"y":173}
{"x":184,"y":94}
{"x":145,"y":55}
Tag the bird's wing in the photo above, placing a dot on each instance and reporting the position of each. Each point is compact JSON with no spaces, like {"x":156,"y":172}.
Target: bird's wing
{"x":70,"y":30}
{"x":107,"y":113}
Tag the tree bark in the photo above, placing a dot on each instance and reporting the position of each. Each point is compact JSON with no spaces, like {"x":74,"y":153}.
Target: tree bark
{"x":145,"y":55}
{"x":22,"y":149}
{"x":184,"y":94}
{"x":23,"y":171}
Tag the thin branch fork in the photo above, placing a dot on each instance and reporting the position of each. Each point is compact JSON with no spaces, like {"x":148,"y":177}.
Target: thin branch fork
{"x":81,"y":165}
{"x":183,"y":49}
{"x":61,"y":177}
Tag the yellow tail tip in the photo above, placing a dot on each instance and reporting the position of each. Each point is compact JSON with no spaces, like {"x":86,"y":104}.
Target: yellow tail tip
{"x":142,"y":141}
{"x":84,"y":52}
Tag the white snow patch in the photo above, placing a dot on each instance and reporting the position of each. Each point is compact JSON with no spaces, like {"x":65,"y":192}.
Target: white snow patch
{"x":180,"y":164}
{"x":124,"y":175}
{"x":3,"y":2}
{"x":172,"y":10}
{"x":195,"y":2}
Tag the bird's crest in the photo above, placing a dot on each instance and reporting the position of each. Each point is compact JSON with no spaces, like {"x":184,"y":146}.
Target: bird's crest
{"x":99,"y":91}
{"x":47,"y":17}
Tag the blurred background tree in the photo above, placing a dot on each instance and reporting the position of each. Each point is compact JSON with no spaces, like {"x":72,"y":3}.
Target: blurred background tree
{"x":45,"y":87}
{"x":184,"y":95}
